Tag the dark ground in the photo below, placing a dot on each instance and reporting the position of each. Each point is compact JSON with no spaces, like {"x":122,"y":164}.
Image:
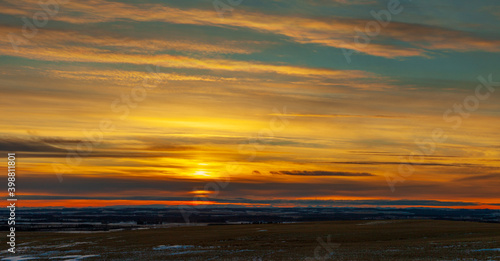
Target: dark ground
{"x":349,"y":240}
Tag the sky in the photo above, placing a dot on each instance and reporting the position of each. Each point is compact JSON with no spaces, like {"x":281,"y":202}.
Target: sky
{"x":252,"y":103}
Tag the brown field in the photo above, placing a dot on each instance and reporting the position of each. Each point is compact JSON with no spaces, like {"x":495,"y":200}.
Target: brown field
{"x":352,"y":240}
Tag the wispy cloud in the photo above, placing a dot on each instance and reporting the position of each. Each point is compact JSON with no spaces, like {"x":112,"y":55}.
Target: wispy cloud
{"x":48,"y":38}
{"x":334,"y":32}
{"x":89,"y":54}
{"x":14,"y":144}
{"x":321,"y":173}
{"x":339,"y":116}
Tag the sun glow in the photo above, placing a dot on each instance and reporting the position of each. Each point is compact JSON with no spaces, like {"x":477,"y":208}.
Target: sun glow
{"x":201,"y":173}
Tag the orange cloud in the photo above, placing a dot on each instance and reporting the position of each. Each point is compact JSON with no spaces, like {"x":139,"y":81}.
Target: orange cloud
{"x":63,"y":38}
{"x":338,"y":116}
{"x":97,"y":55}
{"x":334,"y":32}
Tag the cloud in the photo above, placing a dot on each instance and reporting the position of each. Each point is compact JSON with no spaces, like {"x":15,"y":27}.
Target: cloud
{"x":321,"y":173}
{"x":338,"y":2}
{"x":129,"y":77}
{"x":54,"y":147}
{"x":377,"y":202}
{"x":124,"y":43}
{"x":338,"y":116}
{"x":121,"y":186}
{"x":16,"y":145}
{"x":435,"y":38}
{"x":89,"y":54}
{"x":334,"y":32}
{"x":407,"y":163}
{"x":493,"y":10}
{"x":482,"y":178}
{"x":296,"y":202}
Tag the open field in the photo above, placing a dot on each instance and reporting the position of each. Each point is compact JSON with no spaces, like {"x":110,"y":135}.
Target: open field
{"x":350,"y":240}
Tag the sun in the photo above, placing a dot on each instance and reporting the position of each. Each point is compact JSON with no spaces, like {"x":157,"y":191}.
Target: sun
{"x":201,"y":173}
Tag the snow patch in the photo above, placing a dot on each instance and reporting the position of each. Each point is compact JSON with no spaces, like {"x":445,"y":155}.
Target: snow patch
{"x":18,"y":258}
{"x":488,"y":249}
{"x":73,"y":257}
{"x":174,"y":247}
